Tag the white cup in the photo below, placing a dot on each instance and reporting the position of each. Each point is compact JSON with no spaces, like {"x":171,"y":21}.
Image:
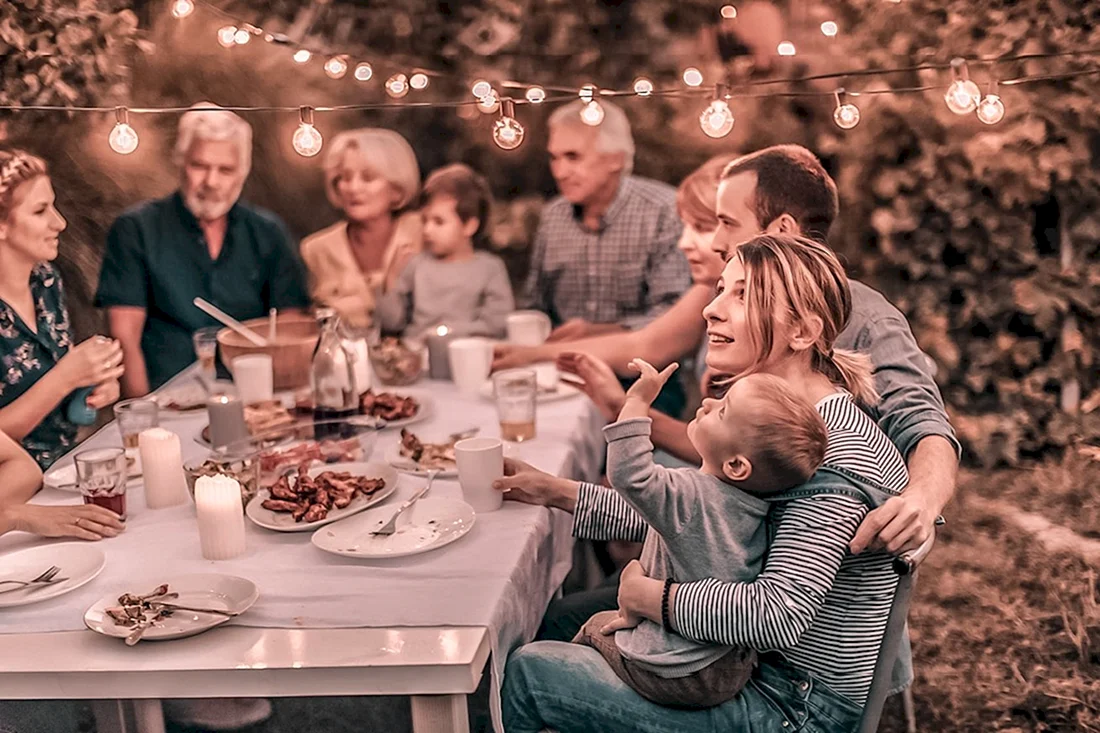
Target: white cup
{"x":480,"y":463}
{"x":528,"y":328}
{"x":471,"y":360}
{"x":254,"y":378}
{"x":546,"y":374}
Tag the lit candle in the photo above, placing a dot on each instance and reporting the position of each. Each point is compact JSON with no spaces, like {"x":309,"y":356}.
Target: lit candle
{"x":221,"y":518}
{"x":162,"y":468}
{"x":226,"y":414}
{"x":439,"y":363}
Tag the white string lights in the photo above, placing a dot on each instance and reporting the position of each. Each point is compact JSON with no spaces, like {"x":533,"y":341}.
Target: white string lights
{"x":963,"y":95}
{"x":507,"y":132}
{"x":182,"y":8}
{"x":991,"y":109}
{"x":123,"y":138}
{"x":717,"y":119}
{"x":307,"y":139}
{"x":846,"y":114}
{"x":336,"y":67}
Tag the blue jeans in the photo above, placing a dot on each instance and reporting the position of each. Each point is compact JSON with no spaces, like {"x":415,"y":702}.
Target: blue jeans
{"x":570,"y":688}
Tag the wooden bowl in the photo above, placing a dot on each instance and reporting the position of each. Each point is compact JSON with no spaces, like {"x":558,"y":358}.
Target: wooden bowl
{"x":291,"y":353}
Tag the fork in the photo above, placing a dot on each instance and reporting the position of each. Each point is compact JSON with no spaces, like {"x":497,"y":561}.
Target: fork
{"x":44,"y":579}
{"x":468,"y":433}
{"x":391,"y":526}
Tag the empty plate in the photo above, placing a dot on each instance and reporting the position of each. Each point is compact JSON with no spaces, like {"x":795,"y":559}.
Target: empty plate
{"x":80,"y":562}
{"x":430,"y":524}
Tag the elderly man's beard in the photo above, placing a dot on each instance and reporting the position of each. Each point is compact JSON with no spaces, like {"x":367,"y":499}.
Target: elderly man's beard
{"x":206,"y":207}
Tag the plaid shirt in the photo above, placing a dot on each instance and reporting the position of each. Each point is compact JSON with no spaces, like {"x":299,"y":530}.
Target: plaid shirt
{"x":627,"y":272}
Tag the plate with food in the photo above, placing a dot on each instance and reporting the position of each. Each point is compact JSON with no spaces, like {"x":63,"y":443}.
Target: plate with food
{"x":418,"y":455}
{"x":47,"y":571}
{"x":266,"y":418}
{"x":181,"y":607}
{"x":306,"y":498}
{"x":431,"y":523}
{"x":395,"y":409}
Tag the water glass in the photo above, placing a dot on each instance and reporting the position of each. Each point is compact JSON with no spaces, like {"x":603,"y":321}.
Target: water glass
{"x":101,"y":478}
{"x":516,"y":395}
{"x":134,"y":417}
{"x":206,"y":351}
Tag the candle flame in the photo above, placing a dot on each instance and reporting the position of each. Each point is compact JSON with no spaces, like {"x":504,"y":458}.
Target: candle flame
{"x":442,"y":330}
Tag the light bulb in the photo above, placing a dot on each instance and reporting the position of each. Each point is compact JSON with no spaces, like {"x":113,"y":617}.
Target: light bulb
{"x":786,"y":48}
{"x":991,"y":109}
{"x":301,"y":56}
{"x":242,"y":37}
{"x":336,"y":67}
{"x":846,"y":116}
{"x":729,"y":12}
{"x":592,"y":114}
{"x":962,"y":96}
{"x":123,"y":139}
{"x":363,"y":72}
{"x":227,"y":35}
{"x":717,"y":119}
{"x":829,"y":28}
{"x":183,"y":8}
{"x":397,"y":86}
{"x":587,"y":93}
{"x":643,"y":87}
{"x":536,"y":95}
{"x":692,"y":76}
{"x":489,"y":103}
{"x":508,"y":133}
{"x":481,"y":88}
{"x":418,"y":80}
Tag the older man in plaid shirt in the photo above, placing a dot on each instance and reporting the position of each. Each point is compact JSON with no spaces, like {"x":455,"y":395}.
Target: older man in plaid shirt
{"x":605,"y":256}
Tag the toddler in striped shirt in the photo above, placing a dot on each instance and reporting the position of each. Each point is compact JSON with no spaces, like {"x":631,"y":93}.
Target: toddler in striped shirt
{"x":759,"y":439}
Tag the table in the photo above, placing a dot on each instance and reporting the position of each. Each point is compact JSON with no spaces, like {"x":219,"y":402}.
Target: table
{"x":435,"y":664}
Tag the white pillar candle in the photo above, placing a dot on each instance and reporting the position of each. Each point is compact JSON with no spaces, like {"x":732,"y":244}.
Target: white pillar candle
{"x":362,"y":363}
{"x":221,"y":518}
{"x":254,"y":377}
{"x":162,"y":468}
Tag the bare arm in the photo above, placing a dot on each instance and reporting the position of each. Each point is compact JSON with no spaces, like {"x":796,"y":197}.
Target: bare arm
{"x":20,"y":476}
{"x":21,"y":416}
{"x":126,"y":324}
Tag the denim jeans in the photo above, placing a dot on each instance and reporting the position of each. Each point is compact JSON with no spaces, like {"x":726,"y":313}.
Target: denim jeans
{"x":569,"y":688}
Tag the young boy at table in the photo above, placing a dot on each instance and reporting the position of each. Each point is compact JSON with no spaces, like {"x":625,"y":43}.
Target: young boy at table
{"x":454,"y":282}
{"x":756,"y":441}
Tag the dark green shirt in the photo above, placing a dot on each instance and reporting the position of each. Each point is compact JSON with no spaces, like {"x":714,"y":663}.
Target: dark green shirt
{"x":157,"y":259}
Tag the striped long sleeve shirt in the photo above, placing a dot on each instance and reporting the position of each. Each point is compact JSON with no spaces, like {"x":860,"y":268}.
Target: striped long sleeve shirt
{"x":822,"y":607}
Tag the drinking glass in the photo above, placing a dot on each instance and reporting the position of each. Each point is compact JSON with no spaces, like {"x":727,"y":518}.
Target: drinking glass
{"x":101,"y":478}
{"x":134,"y":417}
{"x":516,"y":394}
{"x":206,"y":350}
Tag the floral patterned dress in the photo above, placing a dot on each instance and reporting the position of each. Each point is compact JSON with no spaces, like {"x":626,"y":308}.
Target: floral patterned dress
{"x":25,"y":356}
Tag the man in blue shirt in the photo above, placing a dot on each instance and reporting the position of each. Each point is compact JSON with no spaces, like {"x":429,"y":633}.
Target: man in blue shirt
{"x":201,"y":241}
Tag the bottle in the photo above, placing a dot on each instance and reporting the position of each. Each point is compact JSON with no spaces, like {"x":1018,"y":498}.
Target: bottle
{"x":77,"y":410}
{"x":332,"y":376}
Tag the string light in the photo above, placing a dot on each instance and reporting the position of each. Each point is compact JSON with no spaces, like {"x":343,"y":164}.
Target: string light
{"x":693,"y":77}
{"x":489,"y":103}
{"x":182,"y":8}
{"x":963,"y":95}
{"x":301,"y":56}
{"x":592,"y":114}
{"x":363,"y":72}
{"x":507,"y":132}
{"x":307,"y":140}
{"x":717,"y":119}
{"x":829,"y":28}
{"x":846,"y":114}
{"x":643,"y":87}
{"x":481,"y":88}
{"x":536,"y":95}
{"x":123,"y":138}
{"x":991,"y":109}
{"x":227,"y":36}
{"x":587,"y":93}
{"x":786,"y":48}
{"x":397,"y":86}
{"x":336,"y":67}
{"x":729,"y":12}
{"x":242,"y":37}
{"x":419,"y":80}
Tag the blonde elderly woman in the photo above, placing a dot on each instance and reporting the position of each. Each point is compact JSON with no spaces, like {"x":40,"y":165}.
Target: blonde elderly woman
{"x":372,"y":177}
{"x":200,"y":241}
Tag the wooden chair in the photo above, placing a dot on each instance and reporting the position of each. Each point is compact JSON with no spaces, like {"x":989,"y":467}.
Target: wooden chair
{"x":906,"y":568}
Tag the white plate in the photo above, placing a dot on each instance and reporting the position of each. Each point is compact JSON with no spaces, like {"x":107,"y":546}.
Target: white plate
{"x":206,"y":590}
{"x":284,"y":522}
{"x":425,"y":411}
{"x":405,"y":465}
{"x":80,"y":562}
{"x":430,"y":524}
{"x":562,"y":392}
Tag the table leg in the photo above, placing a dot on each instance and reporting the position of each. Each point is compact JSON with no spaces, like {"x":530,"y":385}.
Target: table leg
{"x":440,"y":714}
{"x":149,"y":715}
{"x":111,"y":716}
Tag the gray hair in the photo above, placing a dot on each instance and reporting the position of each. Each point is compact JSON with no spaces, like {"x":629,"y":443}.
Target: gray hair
{"x":390,"y":155}
{"x":614,"y":134}
{"x":213,"y":125}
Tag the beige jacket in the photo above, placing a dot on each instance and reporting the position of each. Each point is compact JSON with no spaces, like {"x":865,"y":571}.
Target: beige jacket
{"x":335,"y":277}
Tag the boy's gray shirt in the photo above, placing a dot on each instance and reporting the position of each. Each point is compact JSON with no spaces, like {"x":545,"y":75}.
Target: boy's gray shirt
{"x":699,"y":527}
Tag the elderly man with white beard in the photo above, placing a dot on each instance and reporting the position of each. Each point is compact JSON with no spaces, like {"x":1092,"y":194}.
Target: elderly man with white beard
{"x":201,"y":241}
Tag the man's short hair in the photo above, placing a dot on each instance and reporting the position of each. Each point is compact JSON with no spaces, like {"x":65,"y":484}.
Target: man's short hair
{"x":470,"y":191}
{"x":790,"y":180}
{"x":206,"y":121}
{"x":613,"y":133}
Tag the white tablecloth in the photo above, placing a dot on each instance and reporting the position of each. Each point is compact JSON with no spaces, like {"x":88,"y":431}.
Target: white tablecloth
{"x":500,"y":576}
